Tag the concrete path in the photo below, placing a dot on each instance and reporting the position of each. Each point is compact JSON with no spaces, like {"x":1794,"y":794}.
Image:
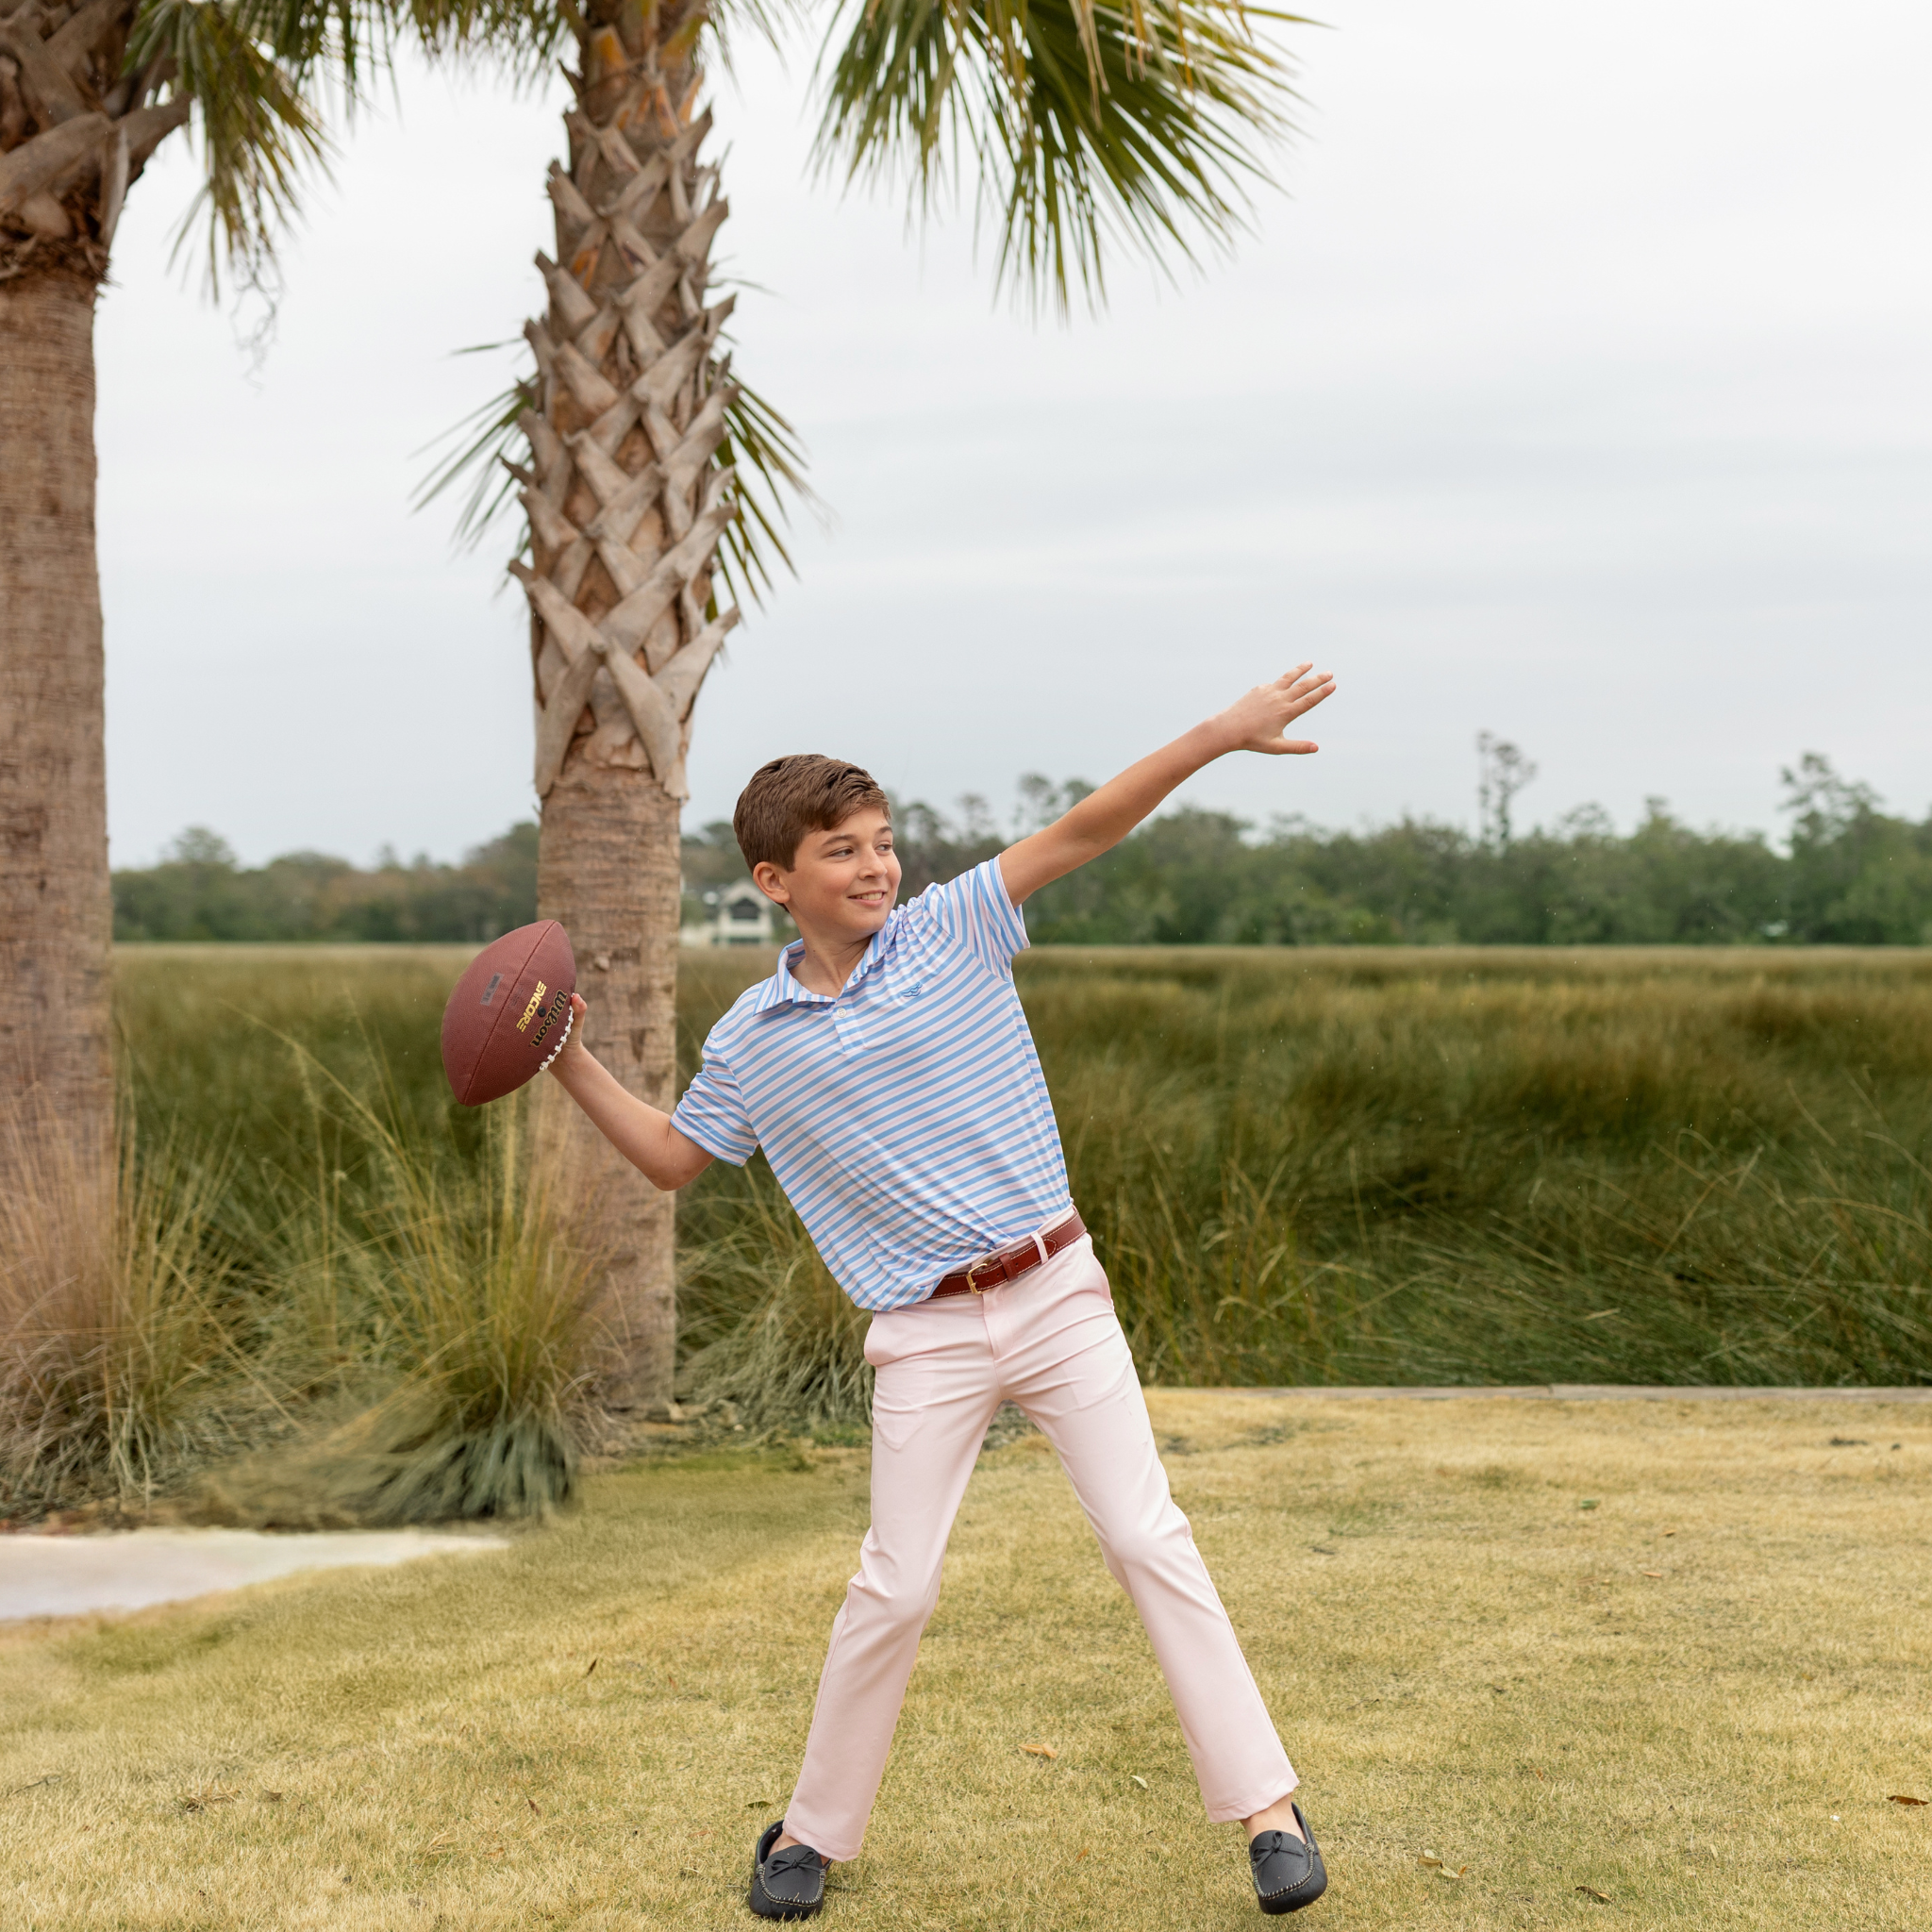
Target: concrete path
{"x":66,"y":1575}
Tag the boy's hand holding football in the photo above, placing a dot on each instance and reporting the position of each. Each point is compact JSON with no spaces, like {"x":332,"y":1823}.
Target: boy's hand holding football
{"x":573,"y":1049}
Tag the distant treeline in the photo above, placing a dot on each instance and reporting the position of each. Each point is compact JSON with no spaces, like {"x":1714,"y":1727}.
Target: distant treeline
{"x":1851,"y":875}
{"x":200,"y":891}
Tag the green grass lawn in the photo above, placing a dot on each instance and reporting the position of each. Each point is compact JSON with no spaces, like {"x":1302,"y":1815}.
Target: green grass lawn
{"x":1675,"y":1653}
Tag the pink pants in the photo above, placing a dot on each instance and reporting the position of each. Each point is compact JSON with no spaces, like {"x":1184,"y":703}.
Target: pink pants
{"x":1050,"y":1343}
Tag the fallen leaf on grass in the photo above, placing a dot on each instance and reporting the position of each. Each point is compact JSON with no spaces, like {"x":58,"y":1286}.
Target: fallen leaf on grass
{"x":593,"y":1666}
{"x":1321,"y":1549}
{"x":207,"y":1796}
{"x":1137,"y":1779}
{"x":1653,"y":1573}
{"x":1900,"y":1798}
{"x":1602,"y":1898}
{"x":270,"y":1797}
{"x":1849,"y":1442}
{"x":754,"y":1804}
{"x":1040,"y":1750}
{"x":1461,"y":1871}
{"x":1430,"y":1859}
{"x":532,"y":1803}
{"x":1085,"y":1852}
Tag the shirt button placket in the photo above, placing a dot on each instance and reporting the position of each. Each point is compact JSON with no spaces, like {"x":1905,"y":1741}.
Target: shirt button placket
{"x":851,"y":1034}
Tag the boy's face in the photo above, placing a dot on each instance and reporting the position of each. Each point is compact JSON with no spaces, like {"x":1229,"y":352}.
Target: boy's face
{"x":843,"y":884}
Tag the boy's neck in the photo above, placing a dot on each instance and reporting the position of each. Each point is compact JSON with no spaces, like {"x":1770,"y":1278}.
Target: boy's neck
{"x":827,"y":960}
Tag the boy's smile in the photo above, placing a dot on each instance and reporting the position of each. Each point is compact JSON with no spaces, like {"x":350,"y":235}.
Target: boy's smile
{"x":840,"y":890}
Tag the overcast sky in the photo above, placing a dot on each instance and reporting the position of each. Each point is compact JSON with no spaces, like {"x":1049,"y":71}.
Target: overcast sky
{"x":1576,"y":389}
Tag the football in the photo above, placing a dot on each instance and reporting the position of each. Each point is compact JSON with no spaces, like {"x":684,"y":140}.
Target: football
{"x":510,"y":1015}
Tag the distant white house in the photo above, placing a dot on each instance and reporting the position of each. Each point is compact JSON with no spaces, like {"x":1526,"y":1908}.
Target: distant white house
{"x":738,"y":915}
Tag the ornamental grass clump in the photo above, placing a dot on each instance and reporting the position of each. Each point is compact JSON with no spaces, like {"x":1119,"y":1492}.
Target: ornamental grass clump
{"x":442,"y":1306}
{"x":121,"y":1362}
{"x":467,"y":1292}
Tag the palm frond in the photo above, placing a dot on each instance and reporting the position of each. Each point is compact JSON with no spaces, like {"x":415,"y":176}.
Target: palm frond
{"x":1087,"y":126}
{"x":520,"y":38}
{"x":770,"y":20}
{"x":484,"y":440}
{"x":259,"y":69}
{"x":769,"y":462}
{"x":258,"y":130}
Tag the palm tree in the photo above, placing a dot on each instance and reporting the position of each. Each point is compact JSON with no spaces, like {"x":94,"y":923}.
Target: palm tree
{"x":88,"y":89}
{"x":1080,"y":126}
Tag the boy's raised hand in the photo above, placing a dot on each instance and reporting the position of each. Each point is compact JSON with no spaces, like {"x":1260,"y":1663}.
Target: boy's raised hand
{"x":1103,"y":818}
{"x":1258,"y":721}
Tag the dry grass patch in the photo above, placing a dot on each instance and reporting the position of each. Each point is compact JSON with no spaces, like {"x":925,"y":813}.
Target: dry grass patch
{"x":1664,"y":1698}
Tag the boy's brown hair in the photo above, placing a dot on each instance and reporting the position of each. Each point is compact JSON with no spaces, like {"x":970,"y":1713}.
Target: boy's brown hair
{"x":792,"y":796}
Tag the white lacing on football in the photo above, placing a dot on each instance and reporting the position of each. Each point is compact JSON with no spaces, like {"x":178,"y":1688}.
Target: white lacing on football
{"x":561,"y":1038}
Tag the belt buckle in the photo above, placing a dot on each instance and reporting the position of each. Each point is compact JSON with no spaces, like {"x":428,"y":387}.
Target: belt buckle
{"x":973,"y":1267}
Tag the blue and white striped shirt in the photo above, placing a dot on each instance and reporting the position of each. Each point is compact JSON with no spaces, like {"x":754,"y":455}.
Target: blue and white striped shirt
{"x":907,"y":1120}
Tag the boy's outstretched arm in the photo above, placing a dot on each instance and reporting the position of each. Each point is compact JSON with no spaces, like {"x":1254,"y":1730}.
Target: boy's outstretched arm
{"x":640,"y":1132}
{"x":1103,"y":818}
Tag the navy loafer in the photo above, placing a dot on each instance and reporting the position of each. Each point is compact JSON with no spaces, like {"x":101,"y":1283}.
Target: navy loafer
{"x":788,"y":1884}
{"x":1288,"y":1870}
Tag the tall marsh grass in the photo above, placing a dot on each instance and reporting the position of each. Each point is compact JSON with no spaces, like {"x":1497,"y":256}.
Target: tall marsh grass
{"x":1462,"y":1165}
{"x":120,"y":1356}
{"x":765,"y":1328}
{"x":1374,"y":1164}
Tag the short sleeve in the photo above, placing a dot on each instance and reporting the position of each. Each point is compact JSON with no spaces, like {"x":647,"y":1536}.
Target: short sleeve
{"x":974,"y":911}
{"x":712,"y":1113}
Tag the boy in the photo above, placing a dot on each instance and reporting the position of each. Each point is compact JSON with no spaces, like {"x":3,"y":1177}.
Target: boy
{"x":886,"y":1070}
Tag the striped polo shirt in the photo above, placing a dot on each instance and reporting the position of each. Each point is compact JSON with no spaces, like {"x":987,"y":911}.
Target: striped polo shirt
{"x":907,"y":1120}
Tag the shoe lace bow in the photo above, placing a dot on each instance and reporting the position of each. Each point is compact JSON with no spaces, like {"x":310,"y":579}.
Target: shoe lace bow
{"x":794,"y":1858}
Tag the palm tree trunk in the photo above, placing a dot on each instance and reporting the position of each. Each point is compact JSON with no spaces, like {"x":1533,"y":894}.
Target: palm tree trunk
{"x":75,"y":131}
{"x":56,"y":913}
{"x":609,"y":870}
{"x":626,"y":503}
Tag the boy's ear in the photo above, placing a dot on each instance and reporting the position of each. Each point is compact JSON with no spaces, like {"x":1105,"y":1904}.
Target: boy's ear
{"x":771,"y":882}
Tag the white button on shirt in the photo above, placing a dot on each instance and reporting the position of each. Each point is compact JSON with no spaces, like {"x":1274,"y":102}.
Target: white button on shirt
{"x":907,"y":1119}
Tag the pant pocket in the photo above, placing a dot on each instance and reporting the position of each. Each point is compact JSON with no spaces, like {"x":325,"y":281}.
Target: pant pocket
{"x":899,"y":1393}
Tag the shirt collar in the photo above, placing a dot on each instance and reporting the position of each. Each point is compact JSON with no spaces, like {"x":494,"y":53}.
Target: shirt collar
{"x":783,"y":990}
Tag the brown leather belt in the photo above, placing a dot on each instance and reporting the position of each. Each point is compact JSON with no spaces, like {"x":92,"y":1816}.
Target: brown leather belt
{"x":1010,"y":1263}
